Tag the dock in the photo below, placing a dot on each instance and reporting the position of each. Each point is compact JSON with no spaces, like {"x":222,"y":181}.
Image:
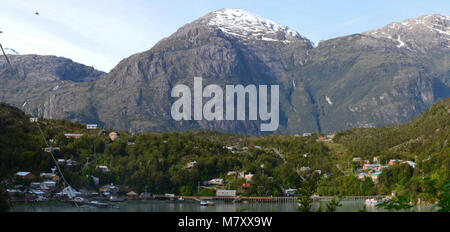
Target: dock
{"x":239,"y":199}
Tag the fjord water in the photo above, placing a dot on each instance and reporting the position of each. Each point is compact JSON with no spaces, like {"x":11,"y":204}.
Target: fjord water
{"x":188,"y":206}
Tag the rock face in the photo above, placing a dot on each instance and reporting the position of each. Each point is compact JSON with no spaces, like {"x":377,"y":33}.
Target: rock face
{"x":31,"y":82}
{"x":212,"y":47}
{"x":384,"y":76}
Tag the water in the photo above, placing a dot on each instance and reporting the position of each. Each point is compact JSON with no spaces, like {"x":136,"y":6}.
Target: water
{"x":191,"y":206}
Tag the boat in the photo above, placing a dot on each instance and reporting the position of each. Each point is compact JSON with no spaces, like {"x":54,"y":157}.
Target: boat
{"x":98,"y":204}
{"x":371,"y":202}
{"x":116,"y":199}
{"x":41,"y":199}
{"x":181,"y":199}
{"x":207,"y":203}
{"x":79,"y":200}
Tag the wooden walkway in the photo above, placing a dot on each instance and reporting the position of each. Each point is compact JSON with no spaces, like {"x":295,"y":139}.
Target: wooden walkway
{"x":238,"y":199}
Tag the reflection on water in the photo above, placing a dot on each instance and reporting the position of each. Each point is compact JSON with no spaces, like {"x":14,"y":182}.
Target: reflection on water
{"x":190,"y":206}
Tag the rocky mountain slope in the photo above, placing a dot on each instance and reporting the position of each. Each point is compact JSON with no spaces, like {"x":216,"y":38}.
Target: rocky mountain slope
{"x":32,"y":81}
{"x":384,"y":76}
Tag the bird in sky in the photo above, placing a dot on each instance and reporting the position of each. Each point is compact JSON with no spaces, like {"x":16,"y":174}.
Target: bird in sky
{"x":37,"y":13}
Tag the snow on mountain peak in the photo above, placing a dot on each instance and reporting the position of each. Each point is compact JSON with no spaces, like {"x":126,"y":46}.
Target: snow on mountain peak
{"x":437,"y":25}
{"x":243,"y":24}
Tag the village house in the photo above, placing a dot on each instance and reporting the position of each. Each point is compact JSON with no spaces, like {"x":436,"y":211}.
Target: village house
{"x":13,"y":192}
{"x":191,"y":165}
{"x":289,"y":192}
{"x":231,"y":173}
{"x":410,"y":163}
{"x":114,"y":135}
{"x":35,"y":185}
{"x":394,"y":161}
{"x":241,"y":175}
{"x":329,"y":138}
{"x":25,"y":175}
{"x":103,"y":168}
{"x":216,"y":182}
{"x":371,"y":166}
{"x":75,"y":136}
{"x":305,"y":169}
{"x":50,"y":149}
{"x":307,"y":134}
{"x":362,"y":175}
{"x":48,"y":185}
{"x":47,"y":175}
{"x":132,"y":195}
{"x":245,"y":186}
{"x":375,"y":176}
{"x":34,"y":119}
{"x":109,"y":189}
{"x":91,"y":126}
{"x":70,"y":162}
{"x":93,"y":193}
{"x":248,"y":177}
{"x":96,"y":180}
{"x":225,"y":193}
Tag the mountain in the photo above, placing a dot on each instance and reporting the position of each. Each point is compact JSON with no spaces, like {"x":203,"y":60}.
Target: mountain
{"x":32,"y":80}
{"x":223,"y":47}
{"x":380,"y":77}
{"x":369,"y":80}
{"x":426,"y":136}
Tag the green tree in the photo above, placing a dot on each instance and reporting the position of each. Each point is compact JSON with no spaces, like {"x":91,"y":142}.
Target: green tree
{"x":397,"y":204}
{"x":333,"y":205}
{"x":444,"y":198}
{"x":4,"y":203}
{"x":306,"y":192}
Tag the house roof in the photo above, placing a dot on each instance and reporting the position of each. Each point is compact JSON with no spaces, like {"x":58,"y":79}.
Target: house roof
{"x":226,"y":191}
{"x":22,"y":173}
{"x":73,"y":135}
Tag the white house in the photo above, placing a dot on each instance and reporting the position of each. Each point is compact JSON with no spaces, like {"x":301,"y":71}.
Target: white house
{"x":48,"y":185}
{"x":47,"y":175}
{"x":216,"y":182}
{"x":225,"y":193}
{"x":248,"y":177}
{"x":91,"y":126}
{"x":290,"y":192}
{"x":191,"y":164}
{"x":103,"y":168}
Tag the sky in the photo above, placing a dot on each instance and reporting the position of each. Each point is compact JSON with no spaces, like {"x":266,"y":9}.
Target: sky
{"x":100,"y":33}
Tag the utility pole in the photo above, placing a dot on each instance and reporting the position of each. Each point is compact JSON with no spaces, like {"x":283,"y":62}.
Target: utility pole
{"x":4,"y":52}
